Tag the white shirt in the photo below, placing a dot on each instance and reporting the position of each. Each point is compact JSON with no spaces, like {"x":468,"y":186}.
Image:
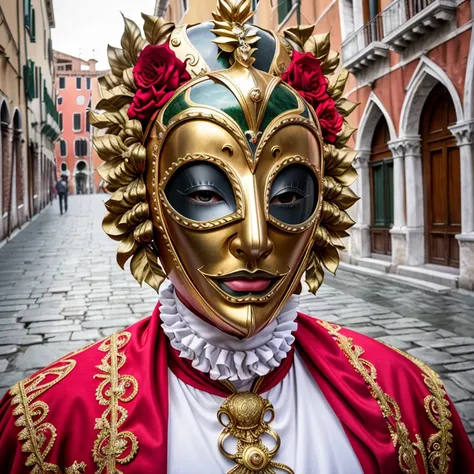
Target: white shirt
{"x":312,"y":437}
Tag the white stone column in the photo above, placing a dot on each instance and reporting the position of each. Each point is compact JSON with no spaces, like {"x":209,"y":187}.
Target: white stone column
{"x":464,"y":133}
{"x":415,"y":219}
{"x":398,"y":231}
{"x":360,"y":232}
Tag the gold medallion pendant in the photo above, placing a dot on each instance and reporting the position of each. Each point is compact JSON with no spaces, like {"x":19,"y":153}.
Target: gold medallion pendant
{"x":246,"y":416}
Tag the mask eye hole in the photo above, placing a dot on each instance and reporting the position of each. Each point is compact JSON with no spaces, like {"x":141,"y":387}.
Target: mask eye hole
{"x":293,"y":195}
{"x":204,"y":197}
{"x":200,"y":191}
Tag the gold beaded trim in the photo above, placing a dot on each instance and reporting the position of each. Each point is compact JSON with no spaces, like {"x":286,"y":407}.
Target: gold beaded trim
{"x":113,"y":446}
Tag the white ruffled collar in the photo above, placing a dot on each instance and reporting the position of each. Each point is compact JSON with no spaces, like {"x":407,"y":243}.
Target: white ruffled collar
{"x":222,"y":356}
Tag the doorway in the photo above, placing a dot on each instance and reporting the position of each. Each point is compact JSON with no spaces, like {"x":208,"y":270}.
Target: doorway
{"x":441,"y":179}
{"x":381,"y":190}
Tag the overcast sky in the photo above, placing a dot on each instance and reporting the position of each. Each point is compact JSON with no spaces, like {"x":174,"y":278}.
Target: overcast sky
{"x":85,"y":27}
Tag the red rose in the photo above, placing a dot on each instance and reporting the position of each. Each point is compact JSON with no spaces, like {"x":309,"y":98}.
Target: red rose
{"x":330,"y":119}
{"x":306,"y":76}
{"x":157,"y":73}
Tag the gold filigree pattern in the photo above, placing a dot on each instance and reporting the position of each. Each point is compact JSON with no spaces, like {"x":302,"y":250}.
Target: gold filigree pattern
{"x":439,"y":414}
{"x":77,"y":468}
{"x":113,"y":446}
{"x":38,"y":436}
{"x":407,"y":449}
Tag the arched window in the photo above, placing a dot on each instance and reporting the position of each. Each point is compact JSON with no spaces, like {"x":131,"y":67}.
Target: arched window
{"x":63,"y":148}
{"x":381,"y":187}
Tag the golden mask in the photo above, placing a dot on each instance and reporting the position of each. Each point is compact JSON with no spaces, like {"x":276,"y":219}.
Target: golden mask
{"x":229,"y":191}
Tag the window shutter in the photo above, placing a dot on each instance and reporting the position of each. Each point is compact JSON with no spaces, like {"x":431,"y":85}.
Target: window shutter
{"x":33,"y":26}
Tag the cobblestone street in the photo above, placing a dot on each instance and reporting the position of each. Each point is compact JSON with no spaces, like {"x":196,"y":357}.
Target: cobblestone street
{"x":60,"y":288}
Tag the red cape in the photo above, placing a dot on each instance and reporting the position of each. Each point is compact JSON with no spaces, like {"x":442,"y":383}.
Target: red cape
{"x":105,"y":408}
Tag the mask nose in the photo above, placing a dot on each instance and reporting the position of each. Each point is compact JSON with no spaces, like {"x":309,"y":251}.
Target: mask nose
{"x":252,"y":241}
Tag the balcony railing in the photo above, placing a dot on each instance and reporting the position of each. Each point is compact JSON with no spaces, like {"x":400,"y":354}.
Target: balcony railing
{"x":396,"y":25}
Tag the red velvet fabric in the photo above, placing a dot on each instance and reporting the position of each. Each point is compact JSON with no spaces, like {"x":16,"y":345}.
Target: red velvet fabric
{"x":73,"y":407}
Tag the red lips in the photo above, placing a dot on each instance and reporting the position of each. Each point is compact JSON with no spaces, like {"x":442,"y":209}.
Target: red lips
{"x":248,"y":285}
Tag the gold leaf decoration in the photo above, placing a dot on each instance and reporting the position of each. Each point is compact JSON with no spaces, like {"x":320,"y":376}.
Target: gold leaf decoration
{"x":124,"y":155}
{"x":109,"y":81}
{"x":132,"y":41}
{"x":345,"y":107}
{"x":157,"y":30}
{"x":145,"y":268}
{"x":232,"y":33}
{"x":337,"y":84}
{"x":126,"y":249}
{"x":128,"y":79}
{"x":331,"y":63}
{"x":117,"y":61}
{"x":299,"y":34}
{"x":319,"y":45}
{"x":338,"y":169}
{"x":314,"y":273}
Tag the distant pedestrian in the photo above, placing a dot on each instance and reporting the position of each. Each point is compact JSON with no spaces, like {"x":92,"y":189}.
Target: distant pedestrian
{"x":62,"y":190}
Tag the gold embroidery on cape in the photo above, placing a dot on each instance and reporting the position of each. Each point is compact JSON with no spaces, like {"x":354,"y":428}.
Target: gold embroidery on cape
{"x":38,"y":436}
{"x":437,"y":409}
{"x":113,"y":446}
{"x":407,"y":449}
{"x":77,"y":468}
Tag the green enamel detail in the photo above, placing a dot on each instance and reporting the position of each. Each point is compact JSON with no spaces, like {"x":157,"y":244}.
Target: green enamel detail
{"x":177,"y":105}
{"x":281,"y":100}
{"x":218,"y":96}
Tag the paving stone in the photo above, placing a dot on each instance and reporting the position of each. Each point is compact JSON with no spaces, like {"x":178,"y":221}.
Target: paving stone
{"x":3,"y":365}
{"x":40,"y":316}
{"x":464,"y":380}
{"x":8,"y":350}
{"x":16,"y":307}
{"x":405,"y":323}
{"x":89,"y":334}
{"x":461,"y":350}
{"x":7,"y":321}
{"x":397,"y":342}
{"x":54,"y":329}
{"x":52,"y":324}
{"x":452,"y":341}
{"x":60,"y":337}
{"x":108,"y":323}
{"x":38,"y":356}
{"x":346,"y":321}
{"x":21,"y":340}
{"x":466,"y":409}
{"x":455,"y":392}
{"x":467,"y":365}
{"x":13,"y":332}
{"x":432,"y":356}
{"x":7,"y":379}
{"x":109,"y":331}
{"x":371,"y":331}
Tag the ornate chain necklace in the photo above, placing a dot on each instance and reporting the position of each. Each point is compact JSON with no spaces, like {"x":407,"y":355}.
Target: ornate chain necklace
{"x":246,"y":416}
